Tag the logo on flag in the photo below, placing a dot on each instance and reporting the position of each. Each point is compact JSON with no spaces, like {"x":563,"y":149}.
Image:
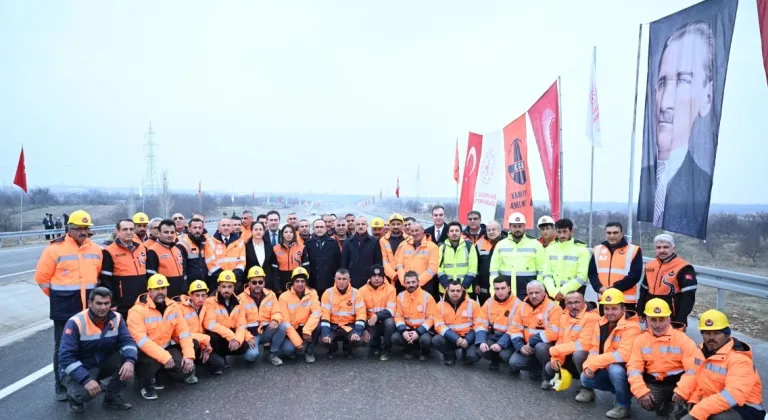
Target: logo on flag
{"x":517,"y":168}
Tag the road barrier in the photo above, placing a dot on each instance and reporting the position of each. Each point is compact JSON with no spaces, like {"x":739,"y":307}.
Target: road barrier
{"x":40,"y":234}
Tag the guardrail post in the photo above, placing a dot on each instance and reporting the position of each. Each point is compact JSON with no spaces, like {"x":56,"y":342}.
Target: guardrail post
{"x":720,"y":300}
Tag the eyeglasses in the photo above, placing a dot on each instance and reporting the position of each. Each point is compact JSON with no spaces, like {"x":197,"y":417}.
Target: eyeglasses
{"x":178,"y":218}
{"x":255,"y":282}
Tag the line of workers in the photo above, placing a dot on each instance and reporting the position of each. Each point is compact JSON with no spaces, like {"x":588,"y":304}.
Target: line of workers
{"x":534,"y":316}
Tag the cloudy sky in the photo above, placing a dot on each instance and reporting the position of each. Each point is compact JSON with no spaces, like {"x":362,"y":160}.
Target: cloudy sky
{"x":338,"y":96}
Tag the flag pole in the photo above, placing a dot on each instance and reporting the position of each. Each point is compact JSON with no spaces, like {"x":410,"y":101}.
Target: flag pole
{"x":560,"y":143}
{"x":21,"y":215}
{"x":592,"y":162}
{"x":457,"y":182}
{"x":632,"y":146}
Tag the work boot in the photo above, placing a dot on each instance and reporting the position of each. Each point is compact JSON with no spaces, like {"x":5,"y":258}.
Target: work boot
{"x":76,"y":407}
{"x":275,"y":360}
{"x":385,"y":355}
{"x":535,"y":376}
{"x":618,"y":413}
{"x":585,"y":395}
{"x":448,"y":361}
{"x":546,"y":385}
{"x":217,"y":372}
{"x":149,"y":393}
{"x":116,"y":403}
{"x":377,"y":351}
{"x":309,"y":357}
{"x":348,"y":353}
{"x":190,"y":380}
{"x":60,"y":393}
{"x":159,"y":386}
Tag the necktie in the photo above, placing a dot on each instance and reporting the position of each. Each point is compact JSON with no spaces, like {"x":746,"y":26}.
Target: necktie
{"x":661,"y":194}
{"x":274,"y":239}
{"x":437,"y":235}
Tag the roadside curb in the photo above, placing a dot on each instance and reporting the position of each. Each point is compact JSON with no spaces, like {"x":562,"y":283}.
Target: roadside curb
{"x":22,"y":333}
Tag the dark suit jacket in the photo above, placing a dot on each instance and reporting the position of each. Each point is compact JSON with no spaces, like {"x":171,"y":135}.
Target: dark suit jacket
{"x":268,"y":236}
{"x":686,"y":208}
{"x":252,"y":260}
{"x":443,"y":234}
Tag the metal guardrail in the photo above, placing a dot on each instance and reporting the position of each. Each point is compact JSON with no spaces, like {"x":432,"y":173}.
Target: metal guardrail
{"x":41,"y":233}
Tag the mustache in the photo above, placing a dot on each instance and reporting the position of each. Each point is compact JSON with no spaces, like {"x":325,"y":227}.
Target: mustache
{"x":666,"y":116}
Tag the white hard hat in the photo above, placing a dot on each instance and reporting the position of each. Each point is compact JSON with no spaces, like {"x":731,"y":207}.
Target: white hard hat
{"x":546,"y":220}
{"x":516,"y":218}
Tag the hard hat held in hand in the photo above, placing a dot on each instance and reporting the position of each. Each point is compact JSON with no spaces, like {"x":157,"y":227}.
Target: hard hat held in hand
{"x":562,"y":380}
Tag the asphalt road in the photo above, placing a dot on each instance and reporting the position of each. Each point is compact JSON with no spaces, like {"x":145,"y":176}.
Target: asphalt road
{"x":335,"y":389}
{"x":18,"y":263}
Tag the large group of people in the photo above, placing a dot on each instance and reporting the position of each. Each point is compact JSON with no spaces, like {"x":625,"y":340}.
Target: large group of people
{"x":165,"y":297}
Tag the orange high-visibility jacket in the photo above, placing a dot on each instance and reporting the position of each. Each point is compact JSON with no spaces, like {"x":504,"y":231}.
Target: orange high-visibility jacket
{"x":342,"y":309}
{"x":725,"y":380}
{"x":66,"y":273}
{"x":259,"y":316}
{"x":543,"y":321}
{"x":423,"y":260}
{"x":194,"y":320}
{"x":614,"y":347}
{"x":229,"y":325}
{"x":415,"y":311}
{"x":388,"y":256}
{"x":378,"y":300}
{"x":225,"y":257}
{"x":495,"y":317}
{"x":302,"y":313}
{"x":674,"y":353}
{"x":453,"y":323}
{"x":154,"y":331}
{"x":612,"y":267}
{"x":575,"y":334}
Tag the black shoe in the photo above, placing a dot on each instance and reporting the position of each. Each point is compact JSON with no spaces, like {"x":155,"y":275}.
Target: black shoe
{"x":449,"y":362}
{"x":116,"y":403}
{"x":149,"y":393}
{"x":157,"y":385}
{"x":385,"y":355}
{"x":217,"y":372}
{"x":61,"y":395}
{"x":76,"y":407}
{"x":494,"y":366}
{"x":348,"y":354}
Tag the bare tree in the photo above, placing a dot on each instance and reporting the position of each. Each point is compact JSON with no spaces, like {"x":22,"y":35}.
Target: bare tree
{"x":749,"y":246}
{"x":166,"y":199}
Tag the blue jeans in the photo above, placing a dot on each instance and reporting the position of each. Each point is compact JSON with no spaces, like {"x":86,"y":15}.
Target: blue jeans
{"x":613,"y":379}
{"x":251,"y":354}
{"x":289,"y":349}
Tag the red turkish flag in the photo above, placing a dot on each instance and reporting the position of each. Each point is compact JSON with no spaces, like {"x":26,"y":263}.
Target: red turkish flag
{"x":21,"y":173}
{"x":456,"y":163}
{"x":762,"y":17}
{"x":397,"y":190}
{"x":544,"y":116}
{"x":471,"y":167}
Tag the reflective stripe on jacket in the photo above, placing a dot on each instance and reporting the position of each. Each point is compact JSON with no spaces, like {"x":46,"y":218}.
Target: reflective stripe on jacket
{"x":423,"y":260}
{"x":342,"y":310}
{"x":229,"y":325}
{"x":154,"y":331}
{"x":522,"y":260}
{"x":575,"y":333}
{"x":565,"y":267}
{"x":456,"y":264}
{"x":615,"y":346}
{"x":495,"y":317}
{"x":672,"y":354}
{"x":415,"y":311}
{"x":301,"y":312}
{"x":454,"y":323}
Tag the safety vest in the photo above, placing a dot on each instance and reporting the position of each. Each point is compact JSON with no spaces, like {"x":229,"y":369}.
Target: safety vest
{"x":658,"y":358}
{"x":288,"y":258}
{"x":124,"y":272}
{"x":495,"y":317}
{"x":377,"y":300}
{"x":170,"y":263}
{"x":522,"y":261}
{"x":154,"y":331}
{"x":229,"y":325}
{"x":663,"y":281}
{"x":258,"y":317}
{"x":193,"y":252}
{"x":423,"y":260}
{"x":192,"y":317}
{"x":460,"y":320}
{"x":614,"y":266}
{"x":542,"y":320}
{"x":457,"y":264}
{"x":415,"y":310}
{"x":63,"y":270}
{"x":302,"y":313}
{"x":342,"y":310}
{"x":615,"y":346}
{"x":565,"y":266}
{"x":388,"y":256}
{"x":224,"y":257}
{"x":575,"y":333}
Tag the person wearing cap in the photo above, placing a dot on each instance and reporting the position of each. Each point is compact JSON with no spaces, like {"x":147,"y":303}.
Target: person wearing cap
{"x":493,"y":323}
{"x":475,"y":229}
{"x":323,"y":257}
{"x":456,"y":318}
{"x":546,"y":227}
{"x":483,"y":250}
{"x":520,"y":256}
{"x":342,"y":315}
{"x":605,"y":367}
{"x":414,"y":318}
{"x":617,"y":264}
{"x":566,"y":263}
{"x":727,"y":384}
{"x":191,"y":305}
{"x":302,"y":311}
{"x":662,"y":367}
{"x":141,"y":221}
{"x":67,"y":271}
{"x":224,"y":319}
{"x":124,"y":267}
{"x":379,"y":297}
{"x":456,"y":261}
{"x":263,"y":317}
{"x":377,"y":227}
{"x":390,"y":242}
{"x":85,"y":361}
{"x":157,"y":325}
{"x":670,"y":278}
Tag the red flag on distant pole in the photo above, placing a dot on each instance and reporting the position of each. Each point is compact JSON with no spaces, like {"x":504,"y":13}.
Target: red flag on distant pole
{"x":21,"y":173}
{"x":397,"y":189}
{"x":199,"y":189}
{"x":456,"y":163}
{"x":762,"y":17}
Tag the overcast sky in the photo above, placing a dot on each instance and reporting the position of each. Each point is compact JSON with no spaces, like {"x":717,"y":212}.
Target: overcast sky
{"x":338,"y":96}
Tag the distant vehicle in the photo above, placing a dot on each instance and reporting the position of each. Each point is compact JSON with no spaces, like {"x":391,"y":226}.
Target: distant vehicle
{"x":313,"y":213}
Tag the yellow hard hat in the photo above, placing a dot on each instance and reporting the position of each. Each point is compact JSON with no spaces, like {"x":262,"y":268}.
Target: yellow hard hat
{"x":197,"y":286}
{"x":377,"y":222}
{"x":227,"y":276}
{"x":713,"y":320}
{"x":657,"y":308}
{"x":562,"y":380}
{"x":612,"y":297}
{"x":396,"y":216}
{"x":80,"y":218}
{"x":299,"y":271}
{"x":140,"y":218}
{"x":157,"y":281}
{"x":256,"y":271}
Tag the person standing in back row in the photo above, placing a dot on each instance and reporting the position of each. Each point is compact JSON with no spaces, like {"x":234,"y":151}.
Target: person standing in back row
{"x":616,"y":264}
{"x":437,"y":233}
{"x":273,"y":234}
{"x":360,"y":252}
{"x":519,"y":256}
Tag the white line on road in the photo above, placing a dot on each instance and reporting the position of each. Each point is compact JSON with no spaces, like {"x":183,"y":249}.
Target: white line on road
{"x":16,"y":274}
{"x":10,"y":389}
{"x":26,"y":248}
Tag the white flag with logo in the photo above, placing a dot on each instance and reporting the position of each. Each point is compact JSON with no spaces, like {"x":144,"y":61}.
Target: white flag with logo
{"x":593,"y":110}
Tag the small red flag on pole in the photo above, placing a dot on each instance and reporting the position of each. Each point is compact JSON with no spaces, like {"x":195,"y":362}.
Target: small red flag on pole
{"x":397,"y":189}
{"x":456,"y":163}
{"x":199,"y":188}
{"x":20,"y":179}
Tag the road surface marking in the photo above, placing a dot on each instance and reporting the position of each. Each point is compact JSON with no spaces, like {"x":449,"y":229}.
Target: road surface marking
{"x":25,"y":332}
{"x":26,"y":248}
{"x":10,"y":389}
{"x":16,"y":274}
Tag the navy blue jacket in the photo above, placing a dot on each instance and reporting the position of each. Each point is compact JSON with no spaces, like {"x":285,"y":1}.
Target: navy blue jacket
{"x":84,"y":345}
{"x":358,"y":258}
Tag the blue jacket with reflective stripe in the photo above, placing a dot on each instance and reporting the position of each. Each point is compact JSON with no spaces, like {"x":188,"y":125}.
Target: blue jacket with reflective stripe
{"x":84,"y":349}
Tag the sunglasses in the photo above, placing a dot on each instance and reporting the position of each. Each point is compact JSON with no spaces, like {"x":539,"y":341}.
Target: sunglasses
{"x":178,"y":218}
{"x":255,"y":282}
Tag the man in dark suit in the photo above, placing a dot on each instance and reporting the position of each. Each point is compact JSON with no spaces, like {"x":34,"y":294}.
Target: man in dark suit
{"x":438,"y":232}
{"x":360,"y":252}
{"x":322,"y":253}
{"x":674,"y":189}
